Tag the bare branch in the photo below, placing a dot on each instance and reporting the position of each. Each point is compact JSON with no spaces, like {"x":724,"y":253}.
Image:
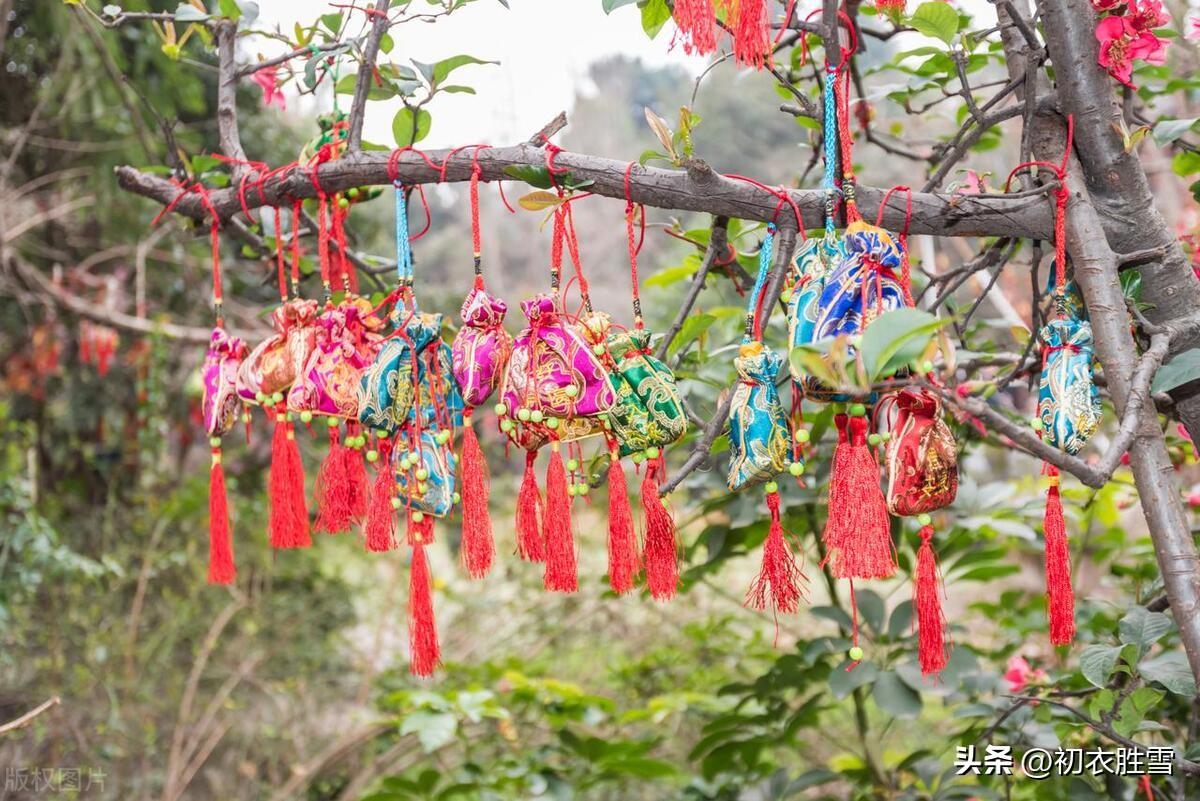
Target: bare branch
{"x":366,"y":74}
{"x":718,"y":246}
{"x":30,"y":716}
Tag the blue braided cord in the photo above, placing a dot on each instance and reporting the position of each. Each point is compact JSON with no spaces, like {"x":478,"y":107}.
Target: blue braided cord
{"x":830,"y":135}
{"x":764,"y":267}
{"x":404,"y":260}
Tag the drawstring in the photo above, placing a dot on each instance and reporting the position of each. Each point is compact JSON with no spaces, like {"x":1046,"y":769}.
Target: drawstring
{"x":630,"y":212}
{"x":905,"y":267}
{"x":753,"y":310}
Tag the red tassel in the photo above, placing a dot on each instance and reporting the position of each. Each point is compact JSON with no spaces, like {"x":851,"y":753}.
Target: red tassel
{"x":288,"y":523}
{"x":834,"y":534}
{"x":560,"y":574}
{"x":478,"y":547}
{"x":622,"y":540}
{"x":697,"y":22}
{"x":857,"y":531}
{"x":778,"y":581}
{"x":424,"y":651}
{"x":927,"y":598}
{"x":355,"y":470}
{"x":221,"y":568}
{"x":380,"y":528}
{"x":530,"y":544}
{"x":661,"y":552}
{"x":1059,"y":594}
{"x":751,"y":41}
{"x":334,"y":488}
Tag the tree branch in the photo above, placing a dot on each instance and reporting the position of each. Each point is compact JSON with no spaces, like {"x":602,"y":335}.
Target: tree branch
{"x":697,"y":189}
{"x":30,"y":716}
{"x":718,"y":246}
{"x":366,"y":74}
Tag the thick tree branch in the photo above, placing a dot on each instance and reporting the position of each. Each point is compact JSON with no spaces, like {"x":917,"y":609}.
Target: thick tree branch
{"x":227,"y":119}
{"x":697,"y":189}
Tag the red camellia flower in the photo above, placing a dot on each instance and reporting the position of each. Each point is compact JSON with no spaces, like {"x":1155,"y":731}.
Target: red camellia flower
{"x":1121,"y":43}
{"x":1020,"y":675}
{"x":269,"y":81}
{"x":1147,"y":14}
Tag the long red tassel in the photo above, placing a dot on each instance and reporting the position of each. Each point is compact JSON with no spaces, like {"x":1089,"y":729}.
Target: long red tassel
{"x":424,"y":650}
{"x":530,"y":543}
{"x":834,"y":534}
{"x":778,"y":580}
{"x":1060,"y":596}
{"x":861,"y":534}
{"x":380,"y":528}
{"x":334,"y":488}
{"x":927,"y":598}
{"x":661,"y":552}
{"x":288,"y":516}
{"x":751,"y":40}
{"x":560,"y":574}
{"x":355,"y":471}
{"x":221,"y":567}
{"x":622,"y":539}
{"x":478,"y":547}
{"x":697,"y":22}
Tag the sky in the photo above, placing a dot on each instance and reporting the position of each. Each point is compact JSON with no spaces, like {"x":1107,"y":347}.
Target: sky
{"x":544,"y":48}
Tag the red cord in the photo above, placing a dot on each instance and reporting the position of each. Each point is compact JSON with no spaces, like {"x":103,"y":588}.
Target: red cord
{"x":634,"y":249}
{"x":905,"y":266}
{"x":784,"y":197}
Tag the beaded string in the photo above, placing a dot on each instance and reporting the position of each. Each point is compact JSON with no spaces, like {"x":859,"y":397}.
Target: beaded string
{"x":753,"y":312}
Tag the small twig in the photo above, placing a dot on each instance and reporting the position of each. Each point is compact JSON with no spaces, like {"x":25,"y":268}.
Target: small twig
{"x":29,"y":716}
{"x":717,"y":248}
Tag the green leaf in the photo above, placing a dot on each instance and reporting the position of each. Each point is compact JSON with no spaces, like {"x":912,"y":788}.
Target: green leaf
{"x":691,"y":330}
{"x":410,"y":126}
{"x":1097,"y":663}
{"x":842,"y":682}
{"x":438,"y":71}
{"x":433,"y":729}
{"x":538,"y":177}
{"x":901,"y":621}
{"x":1168,"y":131}
{"x":870,"y":608}
{"x":1182,"y":368}
{"x":230,"y":9}
{"x":1142,"y":628}
{"x":189,"y":13}
{"x":654,"y":16}
{"x":896,"y":338}
{"x":671,"y":275}
{"x":332,"y":22}
{"x":610,"y":6}
{"x":936,"y":19}
{"x":895,"y":697}
{"x":1133,"y":710}
{"x":1171,"y":670}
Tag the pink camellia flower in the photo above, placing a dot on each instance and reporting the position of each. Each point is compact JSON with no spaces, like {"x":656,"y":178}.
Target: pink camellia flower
{"x":1192,"y":34}
{"x":269,"y":81}
{"x":1121,"y":43}
{"x":1020,"y":675}
{"x":1103,"y":6}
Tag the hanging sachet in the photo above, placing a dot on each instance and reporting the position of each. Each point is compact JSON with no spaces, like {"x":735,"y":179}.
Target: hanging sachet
{"x":816,"y":257}
{"x":1068,"y":400}
{"x":274,"y":364}
{"x":920,"y":459}
{"x":220,"y":406}
{"x":760,"y":446}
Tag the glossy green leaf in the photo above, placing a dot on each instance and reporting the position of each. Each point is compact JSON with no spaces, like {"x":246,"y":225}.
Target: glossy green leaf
{"x":936,"y":19}
{"x":410,"y":126}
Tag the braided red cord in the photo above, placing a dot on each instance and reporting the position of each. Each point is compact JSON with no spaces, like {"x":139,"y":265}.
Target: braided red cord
{"x":634,"y":249}
{"x":905,"y":266}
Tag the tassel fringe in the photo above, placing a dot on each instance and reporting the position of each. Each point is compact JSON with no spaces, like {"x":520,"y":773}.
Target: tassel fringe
{"x":560,"y":574}
{"x":933,"y":652}
{"x":478,"y":547}
{"x":622,"y":539}
{"x":778,"y":583}
{"x":424,"y":651}
{"x":858,"y":532}
{"x":661,"y":552}
{"x":221,"y":567}
{"x":288,"y":523}
{"x":530,"y":544}
{"x":1059,"y":594}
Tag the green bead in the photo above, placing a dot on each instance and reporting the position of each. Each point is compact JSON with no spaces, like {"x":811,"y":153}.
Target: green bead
{"x":305,"y":416}
{"x":422,"y":487}
{"x":927,"y":366}
{"x":352,"y":193}
{"x":796,"y":469}
{"x":803,"y":435}
{"x":598,"y":349}
{"x":536,"y":416}
{"x":443,"y":437}
{"x":214,"y":442}
{"x":551,"y":423}
{"x":1037,"y":424}
{"x":343,"y":203}
{"x":372,"y":456}
{"x":418,"y":517}
{"x":856,"y":654}
{"x":652,"y":452}
{"x":523,"y":415}
{"x":584,"y":489}
{"x":506,"y":426}
{"x":887,"y":437}
{"x":638,"y":458}
{"x":571,"y":490}
{"x":874,"y":439}
{"x":500,"y":409}
{"x":396,"y":503}
{"x":786,"y":296}
{"x":772,"y":488}
{"x":570,"y":390}
{"x":858,"y":410}
{"x":332,"y":422}
{"x":572,"y":465}
{"x":422,"y":474}
{"x":260,"y":396}
{"x":455,"y":498}
{"x":925,"y":520}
